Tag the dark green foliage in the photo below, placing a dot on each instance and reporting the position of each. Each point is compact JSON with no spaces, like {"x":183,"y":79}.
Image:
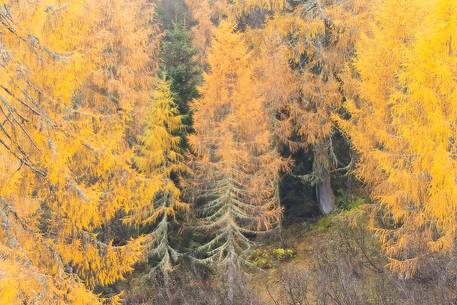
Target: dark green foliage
{"x":180,"y":65}
{"x":179,"y":59}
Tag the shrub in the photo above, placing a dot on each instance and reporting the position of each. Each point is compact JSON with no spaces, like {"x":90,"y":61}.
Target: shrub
{"x":283,"y":254}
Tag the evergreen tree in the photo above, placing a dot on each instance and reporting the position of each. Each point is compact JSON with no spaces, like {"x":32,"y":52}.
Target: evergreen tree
{"x":180,"y":65}
{"x":160,"y":159}
{"x":179,"y":59}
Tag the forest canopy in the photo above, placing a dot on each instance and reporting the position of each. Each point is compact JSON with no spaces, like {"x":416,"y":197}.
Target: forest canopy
{"x":218,"y":152}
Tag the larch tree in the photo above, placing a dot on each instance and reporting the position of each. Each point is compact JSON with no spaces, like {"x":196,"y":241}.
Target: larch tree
{"x":160,"y":158}
{"x":209,"y":13}
{"x":236,"y":167}
{"x":107,"y":112}
{"x":41,"y":67}
{"x":403,"y":119}
{"x":65,"y":163}
{"x":201,"y":38}
{"x":310,"y":46}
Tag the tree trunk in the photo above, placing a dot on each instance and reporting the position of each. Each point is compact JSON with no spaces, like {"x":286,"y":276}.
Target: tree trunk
{"x":166,"y":281}
{"x":325,"y":196}
{"x":230,"y":277}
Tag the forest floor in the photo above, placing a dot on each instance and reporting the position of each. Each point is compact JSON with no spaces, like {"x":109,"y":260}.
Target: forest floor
{"x":292,"y":266}
{"x":300,"y":237}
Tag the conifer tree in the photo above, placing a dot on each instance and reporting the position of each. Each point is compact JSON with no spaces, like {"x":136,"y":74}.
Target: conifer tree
{"x":160,"y":159}
{"x":180,"y":65}
{"x":202,"y":29}
{"x":180,"y":62}
{"x":207,"y":14}
{"x":65,"y":170}
{"x":105,"y":114}
{"x":318,"y":40}
{"x":403,"y":124}
{"x":236,"y":167}
{"x":172,"y":12}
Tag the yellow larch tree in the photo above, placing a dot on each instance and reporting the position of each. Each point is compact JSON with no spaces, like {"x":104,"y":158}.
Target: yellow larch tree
{"x":239,"y":8}
{"x":301,"y":61}
{"x":201,"y":13}
{"x":41,"y":59}
{"x":160,"y":158}
{"x":106,"y":115}
{"x":403,"y":119}
{"x":236,"y":167}
{"x":208,"y":13}
{"x":70,"y":108}
{"x":42,"y":64}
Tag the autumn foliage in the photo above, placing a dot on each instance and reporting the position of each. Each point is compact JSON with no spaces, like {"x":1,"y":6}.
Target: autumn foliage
{"x":132,"y":142}
{"x":235,"y":163}
{"x":70,"y":94}
{"x":403,"y":117}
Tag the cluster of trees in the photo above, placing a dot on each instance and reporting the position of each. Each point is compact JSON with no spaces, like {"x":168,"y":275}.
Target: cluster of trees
{"x":76,"y":81}
{"x":122,"y":121}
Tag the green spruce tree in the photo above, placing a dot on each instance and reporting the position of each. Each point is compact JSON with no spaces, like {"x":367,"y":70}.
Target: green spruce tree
{"x":179,"y":59}
{"x":180,"y":65}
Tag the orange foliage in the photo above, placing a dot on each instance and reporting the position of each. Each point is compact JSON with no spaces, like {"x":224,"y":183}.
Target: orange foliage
{"x":403,"y":124}
{"x":75,"y":79}
{"x":236,"y":168}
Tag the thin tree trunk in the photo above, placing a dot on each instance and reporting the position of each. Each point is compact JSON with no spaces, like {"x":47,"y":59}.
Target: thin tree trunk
{"x":325,"y":195}
{"x":230,"y":277}
{"x":322,"y":164}
{"x":166,"y":281}
{"x":166,"y":275}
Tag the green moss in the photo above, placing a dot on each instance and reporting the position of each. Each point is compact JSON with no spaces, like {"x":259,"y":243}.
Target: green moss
{"x":261,"y":258}
{"x":267,"y":258}
{"x":346,"y":202}
{"x":283,"y":254}
{"x":324,"y":223}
